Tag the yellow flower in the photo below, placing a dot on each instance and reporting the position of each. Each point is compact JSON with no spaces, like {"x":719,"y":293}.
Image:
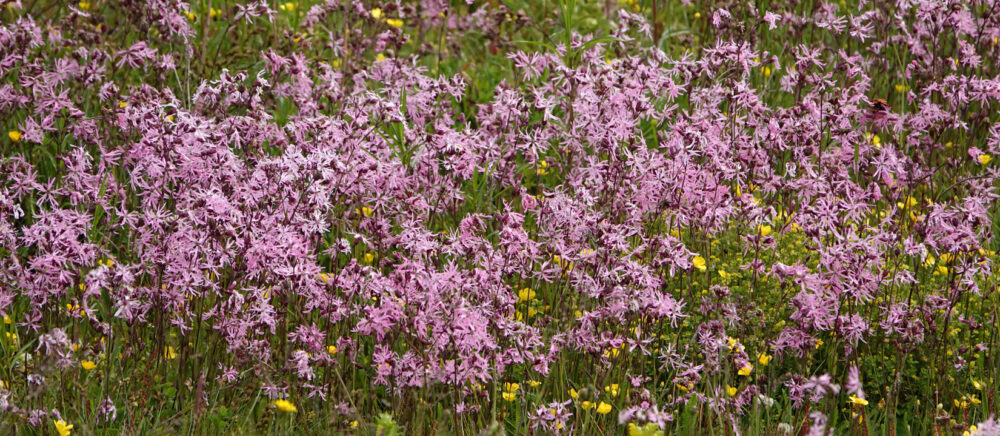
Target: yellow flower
{"x":191,"y":16}
{"x":85,"y":6}
{"x":746,"y":370}
{"x":213,"y":12}
{"x":62,"y":428}
{"x":379,"y":57}
{"x":876,"y":140}
{"x":767,"y":71}
{"x":509,"y":396}
{"x":764,"y":230}
{"x":587,"y":405}
{"x":731,"y":391}
{"x":285,"y":406}
{"x":169,"y":353}
{"x":14,"y":135}
{"x":394,"y":22}
{"x":699,"y":262}
{"x":649,"y":429}
{"x":331,"y":349}
{"x":525,"y":294}
{"x":369,"y":258}
{"x":367,"y":211}
{"x":603,"y":408}
{"x":511,"y":387}
{"x":534,"y":383}
{"x":354,"y":424}
{"x":612,"y":389}
{"x":377,"y":13}
{"x":984,"y":159}
{"x":854,"y":400}
{"x":88,"y":365}
{"x":6,"y":319}
{"x":763,"y":359}
{"x":573,"y":393}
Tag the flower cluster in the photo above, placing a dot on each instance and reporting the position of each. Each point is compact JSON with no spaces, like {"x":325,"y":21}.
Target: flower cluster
{"x":654,"y":231}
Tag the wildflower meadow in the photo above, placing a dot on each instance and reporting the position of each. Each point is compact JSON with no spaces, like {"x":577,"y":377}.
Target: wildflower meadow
{"x":499,"y":217}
